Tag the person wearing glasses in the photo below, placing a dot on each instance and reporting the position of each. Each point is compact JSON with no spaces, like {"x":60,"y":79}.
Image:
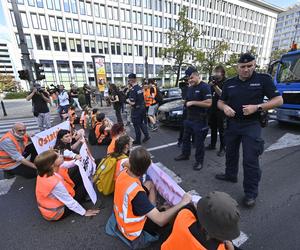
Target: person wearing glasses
{"x":242,"y":101}
{"x":17,"y":153}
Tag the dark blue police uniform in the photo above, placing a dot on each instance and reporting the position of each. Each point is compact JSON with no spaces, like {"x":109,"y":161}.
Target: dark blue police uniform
{"x":246,"y":129}
{"x":138,"y":112}
{"x":196,"y":121}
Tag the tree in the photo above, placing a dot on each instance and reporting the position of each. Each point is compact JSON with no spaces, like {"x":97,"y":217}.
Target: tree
{"x":182,"y":40}
{"x":7,"y":82}
{"x":231,"y":64}
{"x":276,"y":54}
{"x":212,"y":57}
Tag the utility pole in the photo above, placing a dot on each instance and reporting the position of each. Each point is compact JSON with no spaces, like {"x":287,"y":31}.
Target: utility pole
{"x":26,"y":62}
{"x":146,"y":68}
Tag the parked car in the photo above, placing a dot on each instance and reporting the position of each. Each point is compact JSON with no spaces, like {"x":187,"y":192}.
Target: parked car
{"x":171,"y":94}
{"x":171,"y":113}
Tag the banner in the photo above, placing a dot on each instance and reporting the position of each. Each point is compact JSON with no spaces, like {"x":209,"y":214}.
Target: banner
{"x":87,"y":168}
{"x":100,"y":72}
{"x":46,"y":139}
{"x":166,"y":186}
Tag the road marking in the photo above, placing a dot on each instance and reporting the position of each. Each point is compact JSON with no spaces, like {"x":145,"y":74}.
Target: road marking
{"x":5,"y":185}
{"x":240,"y":240}
{"x":286,"y":141}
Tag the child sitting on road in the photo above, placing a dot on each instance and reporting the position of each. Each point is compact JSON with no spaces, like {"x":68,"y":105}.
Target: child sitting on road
{"x":55,"y":194}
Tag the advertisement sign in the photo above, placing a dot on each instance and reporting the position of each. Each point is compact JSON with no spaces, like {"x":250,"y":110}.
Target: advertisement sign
{"x":100,"y":72}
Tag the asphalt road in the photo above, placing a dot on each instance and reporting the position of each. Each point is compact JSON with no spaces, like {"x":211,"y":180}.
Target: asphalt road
{"x":273,"y":224}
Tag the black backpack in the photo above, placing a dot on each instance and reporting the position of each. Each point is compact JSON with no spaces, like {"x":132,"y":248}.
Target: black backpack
{"x":159,"y":98}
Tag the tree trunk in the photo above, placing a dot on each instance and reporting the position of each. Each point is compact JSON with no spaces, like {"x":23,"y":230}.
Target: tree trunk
{"x":178,"y":75}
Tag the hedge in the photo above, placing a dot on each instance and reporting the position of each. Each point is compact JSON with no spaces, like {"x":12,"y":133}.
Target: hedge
{"x":16,"y":95}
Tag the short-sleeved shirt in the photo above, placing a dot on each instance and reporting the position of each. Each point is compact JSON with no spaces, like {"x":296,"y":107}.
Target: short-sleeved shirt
{"x":198,"y":92}
{"x":136,"y":95}
{"x":74,"y":93}
{"x":237,"y":93}
{"x":39,"y":104}
{"x":215,"y":97}
{"x":141,"y":204}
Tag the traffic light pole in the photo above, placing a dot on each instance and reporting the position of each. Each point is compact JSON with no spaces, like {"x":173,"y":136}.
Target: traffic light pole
{"x":27,"y":65}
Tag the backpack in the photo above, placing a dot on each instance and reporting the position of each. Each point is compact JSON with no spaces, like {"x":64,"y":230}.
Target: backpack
{"x":104,"y":176}
{"x":159,"y":96}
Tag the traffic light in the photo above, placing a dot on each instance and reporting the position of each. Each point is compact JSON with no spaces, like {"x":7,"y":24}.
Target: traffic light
{"x":39,"y":71}
{"x":24,"y":74}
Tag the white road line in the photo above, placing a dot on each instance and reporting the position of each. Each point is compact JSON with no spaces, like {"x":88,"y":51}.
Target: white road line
{"x":240,"y":240}
{"x":5,"y":185}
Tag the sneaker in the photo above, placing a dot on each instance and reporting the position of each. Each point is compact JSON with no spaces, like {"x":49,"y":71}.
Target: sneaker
{"x":249,"y":202}
{"x":136,"y":143}
{"x":197,"y":166}
{"x":146,"y":139}
{"x":224,"y":177}
{"x":181,"y":158}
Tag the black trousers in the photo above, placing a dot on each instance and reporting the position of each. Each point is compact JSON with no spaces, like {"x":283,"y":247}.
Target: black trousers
{"x":216,"y":123}
{"x":118,"y":108}
{"x":23,"y":170}
{"x":88,"y":100}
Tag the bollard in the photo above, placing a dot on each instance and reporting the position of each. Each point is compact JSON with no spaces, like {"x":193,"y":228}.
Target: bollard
{"x":3,"y":108}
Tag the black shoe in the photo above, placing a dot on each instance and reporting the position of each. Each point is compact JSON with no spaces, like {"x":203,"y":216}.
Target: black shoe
{"x":197,"y":166}
{"x":221,"y":153}
{"x":8,"y":175}
{"x":146,"y":139}
{"x":249,"y":202}
{"x":136,"y":143}
{"x":210,"y":147}
{"x":224,"y":177}
{"x":181,"y":158}
{"x":179,"y":143}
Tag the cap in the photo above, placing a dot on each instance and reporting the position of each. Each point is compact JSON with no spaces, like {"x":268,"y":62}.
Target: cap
{"x":132,"y":76}
{"x":245,"y":58}
{"x":190,"y":70}
{"x":219,"y":216}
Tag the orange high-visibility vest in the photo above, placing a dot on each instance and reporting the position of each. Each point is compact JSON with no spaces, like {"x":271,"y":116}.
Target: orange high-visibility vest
{"x":181,"y":237}
{"x":120,"y":167}
{"x":69,"y":184}
{"x":100,"y":136}
{"x":126,"y":188}
{"x":111,"y":146}
{"x":5,"y":160}
{"x":149,"y":100}
{"x":50,"y":207}
{"x":72,"y":117}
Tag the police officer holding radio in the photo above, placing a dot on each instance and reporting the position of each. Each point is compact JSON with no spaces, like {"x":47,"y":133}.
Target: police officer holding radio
{"x":138,"y":110}
{"x":242,"y":102}
{"x":198,"y":100}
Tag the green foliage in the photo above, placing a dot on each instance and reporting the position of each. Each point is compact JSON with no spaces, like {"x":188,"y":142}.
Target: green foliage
{"x":182,"y":39}
{"x":16,"y":95}
{"x":276,"y":54}
{"x":7,"y":83}
{"x":231,"y":64}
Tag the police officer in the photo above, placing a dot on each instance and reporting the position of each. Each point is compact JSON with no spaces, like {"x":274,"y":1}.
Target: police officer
{"x":216,"y":116}
{"x":198,"y":100}
{"x":138,"y":110}
{"x":242,"y":101}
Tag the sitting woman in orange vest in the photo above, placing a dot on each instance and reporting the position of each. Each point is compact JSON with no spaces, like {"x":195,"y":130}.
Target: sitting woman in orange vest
{"x":116,"y":131}
{"x":17,"y":153}
{"x":72,"y":116}
{"x":135,"y":220}
{"x":85,"y":117}
{"x":102,"y":129}
{"x":55,"y":195}
{"x":213,"y":225}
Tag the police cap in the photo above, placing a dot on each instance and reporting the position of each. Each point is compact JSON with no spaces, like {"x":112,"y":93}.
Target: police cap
{"x":245,"y":58}
{"x":132,"y":76}
{"x":190,"y":70}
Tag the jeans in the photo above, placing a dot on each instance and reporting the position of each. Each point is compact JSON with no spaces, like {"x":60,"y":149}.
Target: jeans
{"x":43,"y":121}
{"x":249,"y":134}
{"x":77,"y":104}
{"x":63,"y":110}
{"x":88,"y":100}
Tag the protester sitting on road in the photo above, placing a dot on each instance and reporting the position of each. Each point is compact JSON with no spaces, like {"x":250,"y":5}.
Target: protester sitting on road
{"x":72,"y":116}
{"x":102,"y":129}
{"x":116,"y":131}
{"x":55,"y":195}
{"x":94,"y":119}
{"x":86,"y":118}
{"x":212,"y":225}
{"x":134,"y":214}
{"x":15,"y":149}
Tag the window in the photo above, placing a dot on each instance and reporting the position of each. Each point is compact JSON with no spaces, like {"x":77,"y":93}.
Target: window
{"x":63,"y":44}
{"x":60,"y":24}
{"x":47,"y":42}
{"x":43,"y":22}
{"x":86,"y":46}
{"x":139,"y":35}
{"x":100,"y":47}
{"x":115,"y":14}
{"x":72,"y":45}
{"x":113,"y":48}
{"x":134,"y":16}
{"x":129,"y":33}
{"x":93,"y":46}
{"x":98,"y":29}
{"x":66,"y":6}
{"x":34,"y":20}
{"x":82,"y":7}
{"x":128,"y":15}
{"x":76,"y":26}
{"x":84,"y":27}
{"x":91,"y":28}
{"x":106,"y":48}
{"x":28,"y":41}
{"x":111,"y":31}
{"x":52,"y":23}
{"x":118,"y":49}
{"x":69,"y":25}
{"x":24,"y":20}
{"x":96,"y":10}
{"x":122,"y":15}
{"x":104,"y":27}
{"x":117,"y":32}
{"x":57,"y":4}
{"x":88,"y":8}
{"x":74,"y":6}
{"x":78,"y":45}
{"x":102,"y":11}
{"x":56,"y":44}
{"x":49,"y":4}
{"x":123,"y":32}
{"x":129,"y":49}
{"x":40,"y":3}
{"x":12,"y":18}
{"x":124,"y":49}
{"x":38,"y":41}
{"x":110,"y":14}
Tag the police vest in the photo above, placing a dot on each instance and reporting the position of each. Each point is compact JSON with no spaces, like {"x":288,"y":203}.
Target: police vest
{"x":130,"y":225}
{"x":5,"y":160}
{"x":149,"y":100}
{"x":181,"y":237}
{"x":50,"y":207}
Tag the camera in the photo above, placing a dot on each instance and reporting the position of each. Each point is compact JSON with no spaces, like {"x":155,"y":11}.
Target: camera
{"x":213,"y":79}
